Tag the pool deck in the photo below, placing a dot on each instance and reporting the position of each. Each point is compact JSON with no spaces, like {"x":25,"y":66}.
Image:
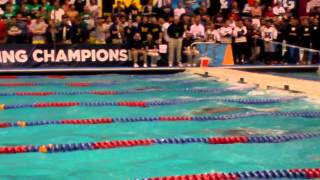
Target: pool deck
{"x":264,"y":81}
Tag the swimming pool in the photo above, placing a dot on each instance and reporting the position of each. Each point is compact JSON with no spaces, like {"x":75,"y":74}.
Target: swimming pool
{"x":152,"y":104}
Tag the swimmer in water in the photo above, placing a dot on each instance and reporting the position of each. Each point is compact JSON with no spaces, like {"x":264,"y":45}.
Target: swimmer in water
{"x":251,"y":132}
{"x":151,"y":88}
{"x":217,"y":110}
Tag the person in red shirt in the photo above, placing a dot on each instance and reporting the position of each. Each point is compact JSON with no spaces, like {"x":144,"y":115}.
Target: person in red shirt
{"x":3,"y":31}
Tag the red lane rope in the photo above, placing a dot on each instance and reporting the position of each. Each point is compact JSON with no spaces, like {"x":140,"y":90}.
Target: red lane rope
{"x":87,"y":121}
{"x":56,"y":104}
{"x":8,"y":77}
{"x":56,"y":77}
{"x":78,"y":84}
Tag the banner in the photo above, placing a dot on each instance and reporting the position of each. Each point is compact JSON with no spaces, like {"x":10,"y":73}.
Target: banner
{"x":53,"y":55}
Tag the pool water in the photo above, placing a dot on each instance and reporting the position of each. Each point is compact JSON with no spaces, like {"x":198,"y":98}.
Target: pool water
{"x":147,"y":161}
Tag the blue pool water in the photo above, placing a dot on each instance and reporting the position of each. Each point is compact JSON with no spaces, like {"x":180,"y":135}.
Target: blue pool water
{"x":148,"y":161}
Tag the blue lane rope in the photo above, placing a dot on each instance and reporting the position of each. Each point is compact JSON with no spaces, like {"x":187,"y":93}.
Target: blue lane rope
{"x":151,"y":103}
{"x":160,"y":118}
{"x":157,"y":141}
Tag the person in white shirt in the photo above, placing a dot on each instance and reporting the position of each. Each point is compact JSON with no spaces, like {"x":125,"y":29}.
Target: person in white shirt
{"x":197,"y":29}
{"x":179,"y":10}
{"x":212,"y":34}
{"x":268,"y":34}
{"x":225,"y":33}
{"x":278,"y":10}
{"x":57,"y":13}
{"x":164,"y":29}
{"x":240,"y":38}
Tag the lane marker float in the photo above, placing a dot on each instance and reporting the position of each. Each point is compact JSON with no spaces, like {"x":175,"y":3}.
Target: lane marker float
{"x":94,"y":121}
{"x":69,"y":147}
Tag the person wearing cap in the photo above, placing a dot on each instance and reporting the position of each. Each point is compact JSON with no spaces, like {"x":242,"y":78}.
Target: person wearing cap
{"x":190,"y":51}
{"x":175,"y":32}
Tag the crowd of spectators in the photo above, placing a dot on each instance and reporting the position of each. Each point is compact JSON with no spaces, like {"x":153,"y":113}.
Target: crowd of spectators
{"x":152,"y":30}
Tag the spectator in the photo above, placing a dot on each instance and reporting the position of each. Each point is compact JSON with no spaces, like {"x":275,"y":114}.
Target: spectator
{"x":155,"y":30}
{"x":137,"y":49}
{"x":240,"y":35}
{"x":278,"y":10}
{"x":305,"y":34}
{"x":315,"y":31}
{"x":268,"y":34}
{"x":144,"y":28}
{"x":14,"y":32}
{"x":175,"y":32}
{"x":79,"y":5}
{"x":133,"y":11}
{"x":118,"y":9}
{"x":95,"y":9}
{"x":269,"y":12}
{"x":116,"y":32}
{"x":190,"y":51}
{"x":129,"y":32}
{"x":24,"y":28}
{"x":72,"y":13}
{"x":52,"y":32}
{"x":3,"y":31}
{"x":152,"y":50}
{"x":164,"y":29}
{"x":256,"y":14}
{"x":225,"y":33}
{"x":33,"y":7}
{"x":197,"y":29}
{"x":292,"y":37}
{"x":179,"y":10}
{"x":57,"y":13}
{"x":212,"y":34}
{"x":38,"y":29}
{"x":64,"y":31}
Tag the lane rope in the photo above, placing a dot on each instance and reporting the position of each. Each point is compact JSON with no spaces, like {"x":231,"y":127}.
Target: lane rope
{"x":113,"y":92}
{"x":56,"y":148}
{"x":71,"y":84}
{"x":308,"y":173}
{"x":145,"y":104}
{"x":107,"y":120}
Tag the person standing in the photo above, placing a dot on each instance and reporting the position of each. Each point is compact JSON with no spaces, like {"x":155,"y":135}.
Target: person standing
{"x":240,"y":35}
{"x":39,"y":29}
{"x":268,"y":34}
{"x":175,"y":32}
